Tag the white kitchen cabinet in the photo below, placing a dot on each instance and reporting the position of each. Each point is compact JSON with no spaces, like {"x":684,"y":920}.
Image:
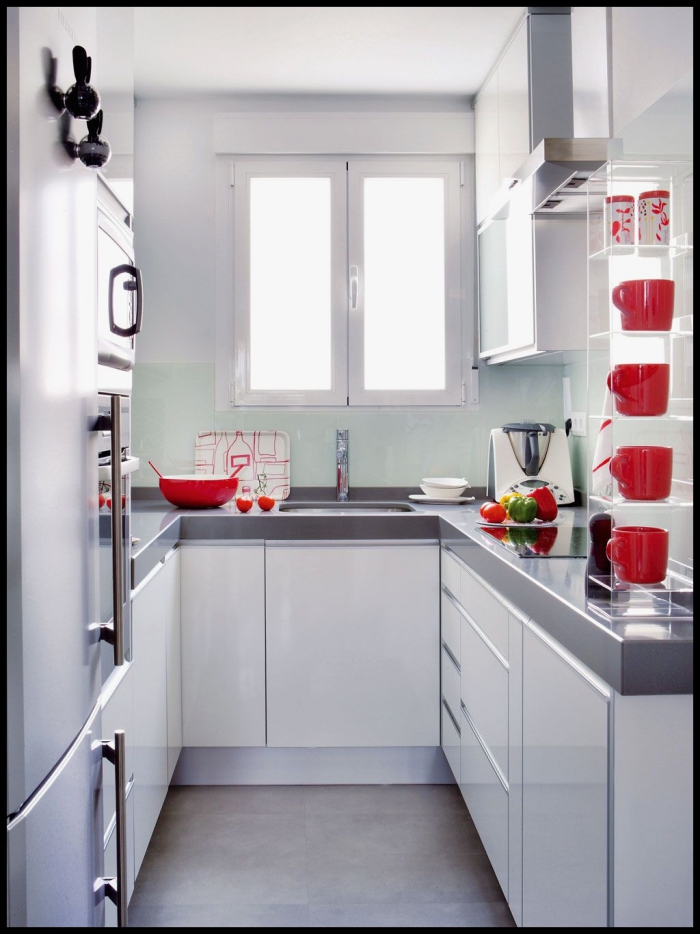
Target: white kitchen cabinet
{"x":451,"y":740}
{"x":528,"y":96}
{"x":486,"y":795}
{"x":484,"y":692}
{"x":173,"y":662}
{"x":353,"y":645}
{"x":223,"y":645}
{"x":153,"y":608}
{"x":565,"y":714}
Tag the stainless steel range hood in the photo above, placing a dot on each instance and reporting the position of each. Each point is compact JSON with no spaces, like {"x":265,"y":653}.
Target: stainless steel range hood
{"x":557,"y":171}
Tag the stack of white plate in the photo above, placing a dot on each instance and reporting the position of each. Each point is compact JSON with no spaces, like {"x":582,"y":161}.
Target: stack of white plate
{"x":444,"y":487}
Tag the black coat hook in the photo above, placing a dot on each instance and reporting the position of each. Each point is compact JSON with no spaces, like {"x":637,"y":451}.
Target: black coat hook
{"x":81,"y":100}
{"x":93,"y":151}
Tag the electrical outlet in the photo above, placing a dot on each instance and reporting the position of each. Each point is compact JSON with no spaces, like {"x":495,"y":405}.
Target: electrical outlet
{"x":578,"y":424}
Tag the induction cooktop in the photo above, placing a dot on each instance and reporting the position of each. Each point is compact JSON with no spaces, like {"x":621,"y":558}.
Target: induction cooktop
{"x":555,"y":541}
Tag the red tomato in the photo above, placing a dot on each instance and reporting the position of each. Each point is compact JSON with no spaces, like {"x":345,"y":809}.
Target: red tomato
{"x":493,"y":512}
{"x":266,"y":503}
{"x":102,"y":500}
{"x":109,"y":502}
{"x":243,"y":505}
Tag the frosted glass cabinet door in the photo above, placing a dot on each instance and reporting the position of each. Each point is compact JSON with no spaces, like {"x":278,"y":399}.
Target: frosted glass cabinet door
{"x":565,"y":814}
{"x":353,"y":643}
{"x":223,"y":645}
{"x":488,"y":176}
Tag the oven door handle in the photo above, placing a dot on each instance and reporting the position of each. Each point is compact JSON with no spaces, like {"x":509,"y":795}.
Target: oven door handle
{"x":128,"y":465}
{"x":137,"y":287}
{"x":114,"y":632}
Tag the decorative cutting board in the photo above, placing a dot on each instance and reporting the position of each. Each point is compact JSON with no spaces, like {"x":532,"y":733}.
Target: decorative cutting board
{"x":263,"y":455}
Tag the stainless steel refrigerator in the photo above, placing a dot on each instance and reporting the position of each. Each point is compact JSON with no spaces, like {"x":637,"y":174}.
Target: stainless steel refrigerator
{"x":56,"y":753}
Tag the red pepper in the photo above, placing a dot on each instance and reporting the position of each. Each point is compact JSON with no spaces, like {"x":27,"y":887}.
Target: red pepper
{"x":545,"y":541}
{"x":546,"y":504}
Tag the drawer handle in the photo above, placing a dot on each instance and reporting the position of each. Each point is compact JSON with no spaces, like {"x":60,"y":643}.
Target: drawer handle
{"x":485,"y":748}
{"x":451,"y":716}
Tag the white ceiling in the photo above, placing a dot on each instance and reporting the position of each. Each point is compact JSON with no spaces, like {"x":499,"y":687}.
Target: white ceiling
{"x":317,"y":50}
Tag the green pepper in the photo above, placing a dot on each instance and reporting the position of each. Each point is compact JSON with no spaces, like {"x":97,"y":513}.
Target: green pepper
{"x":522,"y":509}
{"x":522,"y":536}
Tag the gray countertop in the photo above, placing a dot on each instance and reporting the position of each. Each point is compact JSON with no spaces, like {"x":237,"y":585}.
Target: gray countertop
{"x":647,"y":655}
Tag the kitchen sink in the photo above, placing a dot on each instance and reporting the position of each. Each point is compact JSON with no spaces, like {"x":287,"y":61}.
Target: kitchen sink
{"x":345,"y":509}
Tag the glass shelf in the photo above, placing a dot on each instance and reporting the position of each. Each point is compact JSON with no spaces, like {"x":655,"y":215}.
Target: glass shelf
{"x":609,"y":345}
{"x":672,"y":250}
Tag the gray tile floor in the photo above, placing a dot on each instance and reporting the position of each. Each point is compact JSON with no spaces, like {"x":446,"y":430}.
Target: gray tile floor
{"x":316,"y":856}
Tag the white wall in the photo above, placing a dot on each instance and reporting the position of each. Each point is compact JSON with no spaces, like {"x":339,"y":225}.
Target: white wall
{"x":652,"y":50}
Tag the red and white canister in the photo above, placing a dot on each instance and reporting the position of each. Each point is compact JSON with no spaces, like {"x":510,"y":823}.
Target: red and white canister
{"x":619,"y":220}
{"x":653,"y":218}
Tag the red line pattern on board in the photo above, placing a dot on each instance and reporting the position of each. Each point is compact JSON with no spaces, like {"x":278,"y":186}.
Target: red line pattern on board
{"x":259,"y":454}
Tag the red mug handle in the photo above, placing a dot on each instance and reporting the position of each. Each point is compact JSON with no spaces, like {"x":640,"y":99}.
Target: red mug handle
{"x":617,"y":462}
{"x":612,"y":549}
{"x":618,"y":299}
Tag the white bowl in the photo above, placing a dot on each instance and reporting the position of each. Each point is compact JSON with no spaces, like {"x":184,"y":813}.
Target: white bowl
{"x":446,"y":483}
{"x":443,"y":492}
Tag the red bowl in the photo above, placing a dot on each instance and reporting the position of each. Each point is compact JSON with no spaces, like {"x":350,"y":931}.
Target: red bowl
{"x":198,"y":492}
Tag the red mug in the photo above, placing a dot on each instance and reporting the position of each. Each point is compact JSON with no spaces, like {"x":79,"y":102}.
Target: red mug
{"x":640,"y":388}
{"x":643,"y":471}
{"x":645,"y":304}
{"x":639,"y":553}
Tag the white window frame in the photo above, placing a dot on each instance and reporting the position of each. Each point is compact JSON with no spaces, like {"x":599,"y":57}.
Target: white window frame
{"x":245,"y":170}
{"x":449,"y":171}
{"x":347,"y":328}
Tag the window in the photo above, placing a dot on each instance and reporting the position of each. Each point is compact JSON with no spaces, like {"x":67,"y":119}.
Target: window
{"x":346,"y":282}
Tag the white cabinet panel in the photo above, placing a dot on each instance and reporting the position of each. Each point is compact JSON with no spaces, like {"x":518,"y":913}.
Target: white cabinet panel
{"x":515,"y":768}
{"x":353,"y":645}
{"x":565,"y":813}
{"x":450,"y":571}
{"x":514,"y":105}
{"x":149,"y":621}
{"x":450,"y":682}
{"x":451,"y":742}
{"x":486,"y":143}
{"x":484,"y":690}
{"x":223,"y":645}
{"x":110,"y":857}
{"x":173,"y":663}
{"x":487,"y":611}
{"x":487,"y":801}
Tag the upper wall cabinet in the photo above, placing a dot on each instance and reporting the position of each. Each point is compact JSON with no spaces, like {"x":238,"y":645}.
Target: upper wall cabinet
{"x":528,"y":96}
{"x":113,"y":75}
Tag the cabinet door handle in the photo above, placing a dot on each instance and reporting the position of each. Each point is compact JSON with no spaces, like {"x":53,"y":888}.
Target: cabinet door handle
{"x":116,"y":889}
{"x":130,"y":286}
{"x":354,"y":287}
{"x":114,"y":632}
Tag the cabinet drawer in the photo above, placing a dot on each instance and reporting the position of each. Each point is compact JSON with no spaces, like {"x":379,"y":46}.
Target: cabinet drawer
{"x":450,"y":624}
{"x":485,"y":609}
{"x":450,"y":741}
{"x":450,"y":682}
{"x":484,"y":690}
{"x":486,"y":799}
{"x":450,"y":571}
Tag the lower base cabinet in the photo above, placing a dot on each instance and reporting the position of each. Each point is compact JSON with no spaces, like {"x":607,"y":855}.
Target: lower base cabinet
{"x":353,"y":643}
{"x":565,"y":715}
{"x":155,"y":614}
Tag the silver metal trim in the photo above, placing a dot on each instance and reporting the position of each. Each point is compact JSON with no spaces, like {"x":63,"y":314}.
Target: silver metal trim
{"x":485,"y":748}
{"x":477,"y":629}
{"x":112,"y":825}
{"x":451,"y":716}
{"x":451,"y":657}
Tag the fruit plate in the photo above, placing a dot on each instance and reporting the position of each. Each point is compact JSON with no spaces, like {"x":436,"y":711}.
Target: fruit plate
{"x":510,"y":524}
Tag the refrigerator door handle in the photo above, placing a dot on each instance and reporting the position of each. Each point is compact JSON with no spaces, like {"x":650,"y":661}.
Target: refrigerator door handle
{"x":114,"y":632}
{"x":116,"y":889}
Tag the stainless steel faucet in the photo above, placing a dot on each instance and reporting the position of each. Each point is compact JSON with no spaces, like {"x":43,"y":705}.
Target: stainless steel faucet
{"x":341,"y":457}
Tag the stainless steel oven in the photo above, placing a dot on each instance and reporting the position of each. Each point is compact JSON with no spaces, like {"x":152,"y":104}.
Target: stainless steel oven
{"x":119,"y":293}
{"x":115,"y":468}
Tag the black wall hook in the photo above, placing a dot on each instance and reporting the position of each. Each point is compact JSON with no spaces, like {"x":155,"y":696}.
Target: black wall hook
{"x":92,"y":150}
{"x":81,"y":100}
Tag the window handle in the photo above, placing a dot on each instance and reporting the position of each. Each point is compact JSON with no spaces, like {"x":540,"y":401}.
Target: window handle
{"x":354,"y":283}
